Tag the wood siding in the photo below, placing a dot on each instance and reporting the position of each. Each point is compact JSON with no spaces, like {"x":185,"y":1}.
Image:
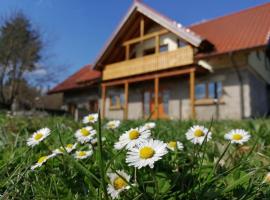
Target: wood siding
{"x":165,"y":60}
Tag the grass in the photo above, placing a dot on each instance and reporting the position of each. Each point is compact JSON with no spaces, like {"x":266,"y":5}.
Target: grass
{"x":214,"y":170}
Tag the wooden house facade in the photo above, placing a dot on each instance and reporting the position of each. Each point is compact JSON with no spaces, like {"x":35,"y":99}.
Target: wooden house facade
{"x":155,"y":67}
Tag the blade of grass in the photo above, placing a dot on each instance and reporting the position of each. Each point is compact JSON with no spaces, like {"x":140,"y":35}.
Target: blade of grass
{"x":100,"y":158}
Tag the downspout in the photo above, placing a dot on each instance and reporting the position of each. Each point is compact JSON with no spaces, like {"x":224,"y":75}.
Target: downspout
{"x":240,"y":79}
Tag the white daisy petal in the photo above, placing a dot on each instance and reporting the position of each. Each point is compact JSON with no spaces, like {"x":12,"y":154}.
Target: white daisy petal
{"x":92,"y":118}
{"x":149,"y":125}
{"x":117,"y":183}
{"x":85,"y":134}
{"x":172,"y":145}
{"x":83,"y":154}
{"x":38,"y":136}
{"x":69,"y":148}
{"x":41,"y":161}
{"x":132,"y":137}
{"x":113,"y":124}
{"x":196,"y":134}
{"x":237,"y":136}
{"x":146,"y":153}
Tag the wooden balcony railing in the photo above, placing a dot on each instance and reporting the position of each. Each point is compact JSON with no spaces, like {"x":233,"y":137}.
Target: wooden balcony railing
{"x":165,"y":60}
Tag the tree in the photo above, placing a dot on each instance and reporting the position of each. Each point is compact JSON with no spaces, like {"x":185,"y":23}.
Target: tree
{"x":20,"y":51}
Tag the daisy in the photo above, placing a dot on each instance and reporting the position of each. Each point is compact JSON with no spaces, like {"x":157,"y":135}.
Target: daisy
{"x":92,"y":118}
{"x":113,"y":124}
{"x":85,"y":134}
{"x":83,"y":154}
{"x":69,"y":148}
{"x":38,"y":136}
{"x":146,"y":153}
{"x":117,"y":183}
{"x":237,"y":136}
{"x":132,"y":137}
{"x":149,"y":125}
{"x":173,"y":145}
{"x":196,"y":134}
{"x":41,"y":161}
{"x":267,"y":178}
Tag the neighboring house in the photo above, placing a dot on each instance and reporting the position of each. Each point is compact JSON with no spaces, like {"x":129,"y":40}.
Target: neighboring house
{"x":155,"y":67}
{"x":81,"y":92}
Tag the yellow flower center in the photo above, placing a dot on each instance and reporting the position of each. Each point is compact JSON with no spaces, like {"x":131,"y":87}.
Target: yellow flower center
{"x":134,"y":134}
{"x":85,"y":132}
{"x":198,"y":133}
{"x":69,"y":146}
{"x":42,"y":159}
{"x":91,"y":118}
{"x":146,"y":152}
{"x":111,"y":125}
{"x":172,"y":144}
{"x":119,"y":183}
{"x":38,"y":136}
{"x":81,"y":153}
{"x":237,"y":136}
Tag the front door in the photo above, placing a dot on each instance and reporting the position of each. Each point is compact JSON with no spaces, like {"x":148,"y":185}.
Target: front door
{"x":162,"y":111}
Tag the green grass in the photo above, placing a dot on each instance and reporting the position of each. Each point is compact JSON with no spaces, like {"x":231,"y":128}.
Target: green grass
{"x":189,"y":174}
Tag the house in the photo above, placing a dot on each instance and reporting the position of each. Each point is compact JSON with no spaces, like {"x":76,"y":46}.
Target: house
{"x":80,"y":92}
{"x":155,"y":67}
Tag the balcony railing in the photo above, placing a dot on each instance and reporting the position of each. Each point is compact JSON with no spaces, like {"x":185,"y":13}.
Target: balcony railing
{"x":165,"y":60}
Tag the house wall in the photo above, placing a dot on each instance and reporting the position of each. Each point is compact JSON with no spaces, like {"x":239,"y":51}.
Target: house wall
{"x":169,"y":39}
{"x":179,"y":104}
{"x":81,"y":99}
{"x":258,"y":96}
{"x":229,"y":106}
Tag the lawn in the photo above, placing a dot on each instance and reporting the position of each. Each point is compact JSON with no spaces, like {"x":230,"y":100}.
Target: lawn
{"x":215,"y":169}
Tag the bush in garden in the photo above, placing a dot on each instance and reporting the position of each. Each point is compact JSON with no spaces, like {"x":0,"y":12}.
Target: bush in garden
{"x":127,"y":161}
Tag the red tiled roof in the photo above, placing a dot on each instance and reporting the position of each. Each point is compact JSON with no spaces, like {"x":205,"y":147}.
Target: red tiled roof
{"x":242,"y":30}
{"x":85,"y":75}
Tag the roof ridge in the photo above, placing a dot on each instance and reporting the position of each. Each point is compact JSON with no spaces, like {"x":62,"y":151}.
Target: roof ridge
{"x":227,"y":15}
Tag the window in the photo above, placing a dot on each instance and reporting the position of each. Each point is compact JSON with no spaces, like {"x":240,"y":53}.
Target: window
{"x":117,"y":100}
{"x":163,"y":48}
{"x":166,"y":98}
{"x":149,"y":51}
{"x":209,"y":90}
{"x":200,"y":91}
{"x":181,"y":43}
{"x":146,"y":103}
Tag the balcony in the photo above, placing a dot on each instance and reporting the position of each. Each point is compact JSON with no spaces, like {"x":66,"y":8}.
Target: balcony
{"x":151,"y":63}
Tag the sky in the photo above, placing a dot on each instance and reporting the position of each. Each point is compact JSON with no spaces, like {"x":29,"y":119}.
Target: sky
{"x":75,"y":31}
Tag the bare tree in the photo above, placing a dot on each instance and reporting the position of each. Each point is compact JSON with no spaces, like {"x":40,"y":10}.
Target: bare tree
{"x":20,"y":51}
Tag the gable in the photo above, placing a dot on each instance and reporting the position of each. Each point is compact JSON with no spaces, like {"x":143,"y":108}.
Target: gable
{"x":130,"y":28}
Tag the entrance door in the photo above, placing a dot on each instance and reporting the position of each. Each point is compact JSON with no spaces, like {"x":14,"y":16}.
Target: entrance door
{"x":93,"y":106}
{"x":162,"y":111}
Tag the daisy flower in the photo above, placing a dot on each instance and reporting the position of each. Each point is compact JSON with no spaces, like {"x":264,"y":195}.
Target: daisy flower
{"x":117,"y":183}
{"x":113,"y":124}
{"x":38,"y":136}
{"x":83,"y":154}
{"x":149,"y":125}
{"x":85,"y":134}
{"x":173,"y":145}
{"x":41,"y":161}
{"x":146,"y":153}
{"x":92,"y":118}
{"x":196,"y":134}
{"x":132,"y":137}
{"x":267,"y":178}
{"x":69,"y":148}
{"x":237,"y":136}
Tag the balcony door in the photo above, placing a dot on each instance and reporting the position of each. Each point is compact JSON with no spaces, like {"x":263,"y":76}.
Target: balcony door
{"x":149,"y":104}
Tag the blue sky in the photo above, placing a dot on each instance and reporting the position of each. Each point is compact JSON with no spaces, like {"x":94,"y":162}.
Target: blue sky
{"x":76,"y":30}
